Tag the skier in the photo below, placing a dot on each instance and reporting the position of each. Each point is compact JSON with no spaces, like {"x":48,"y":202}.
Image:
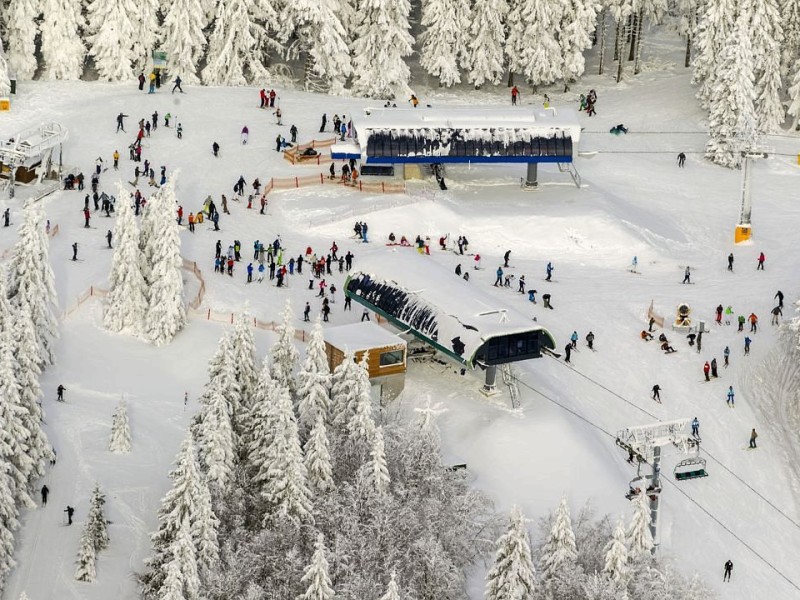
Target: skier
{"x":634,"y":264}
{"x":728,"y":314}
{"x":779,"y":296}
{"x":714,"y":367}
{"x":761,"y":259}
{"x":687,"y":276}
{"x":728,"y":568}
{"x":365,"y":316}
{"x":249,"y":272}
{"x":109,"y":235}
{"x":506,"y":256}
{"x":70,"y":511}
{"x":45,"y":492}
{"x":681,"y":159}
{"x":179,"y":131}
{"x":245,"y":135}
{"x":747,"y":342}
{"x":567,"y":351}
{"x":177,"y":85}
{"x":776,"y":314}
{"x":6,"y":217}
{"x":753,"y":323}
{"x":657,"y":393}
{"x":695,"y":427}
{"x":740,"y":319}
{"x":60,"y":391}
{"x":167,"y":117}
{"x":731,"y":395}
{"x":347,"y":303}
{"x":499,"y":274}
{"x":75,"y":251}
{"x":215,"y":148}
{"x":753,"y":436}
{"x":120,"y":123}
{"x":730,"y":262}
{"x":706,"y":370}
{"x":514,"y":95}
{"x":549,"y":268}
{"x":718,"y":318}
{"x":191,"y":222}
{"x":115,"y":156}
{"x":306,"y":312}
{"x":573,"y":340}
{"x":293,"y":131}
{"x":726,"y":353}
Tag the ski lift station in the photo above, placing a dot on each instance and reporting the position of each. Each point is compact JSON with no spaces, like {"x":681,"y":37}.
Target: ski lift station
{"x":32,"y":155}
{"x":385,"y":137}
{"x":422,"y":298}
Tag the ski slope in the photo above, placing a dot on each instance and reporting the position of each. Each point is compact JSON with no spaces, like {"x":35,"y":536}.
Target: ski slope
{"x":635,"y":201}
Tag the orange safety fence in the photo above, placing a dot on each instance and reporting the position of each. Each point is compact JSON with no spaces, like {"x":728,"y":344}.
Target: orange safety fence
{"x":287,"y":183}
{"x":53,"y":231}
{"x":294,"y":154}
{"x":191,"y":265}
{"x":92,"y":292}
{"x":9,"y":251}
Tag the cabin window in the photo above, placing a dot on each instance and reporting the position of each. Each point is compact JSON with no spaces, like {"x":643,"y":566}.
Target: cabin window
{"x":395,"y":357}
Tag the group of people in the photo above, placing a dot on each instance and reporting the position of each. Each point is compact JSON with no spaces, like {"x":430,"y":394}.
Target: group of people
{"x":587,"y":103}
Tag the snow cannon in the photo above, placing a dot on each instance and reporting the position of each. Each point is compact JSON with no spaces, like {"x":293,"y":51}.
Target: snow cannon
{"x":682,"y":318}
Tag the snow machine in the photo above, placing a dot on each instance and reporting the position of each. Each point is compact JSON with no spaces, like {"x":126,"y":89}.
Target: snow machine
{"x":690,"y":468}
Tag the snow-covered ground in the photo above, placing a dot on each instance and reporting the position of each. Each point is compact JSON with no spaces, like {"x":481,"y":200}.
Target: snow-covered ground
{"x":635,"y":201}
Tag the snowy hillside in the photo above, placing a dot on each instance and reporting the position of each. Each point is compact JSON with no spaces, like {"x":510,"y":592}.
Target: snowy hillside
{"x":634,"y":202}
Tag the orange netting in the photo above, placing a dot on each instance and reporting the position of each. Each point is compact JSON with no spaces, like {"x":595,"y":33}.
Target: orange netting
{"x":295,"y":155}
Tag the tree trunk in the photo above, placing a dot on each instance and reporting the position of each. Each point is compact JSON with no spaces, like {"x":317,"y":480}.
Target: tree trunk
{"x":689,"y":37}
{"x":510,"y":78}
{"x":602,"y":40}
{"x":619,"y":49}
{"x":637,"y":60}
{"x":307,"y":68}
{"x":634,"y":37}
{"x":617,"y":41}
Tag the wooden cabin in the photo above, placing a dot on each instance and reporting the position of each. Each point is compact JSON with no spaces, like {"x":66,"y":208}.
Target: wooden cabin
{"x":386,"y":354}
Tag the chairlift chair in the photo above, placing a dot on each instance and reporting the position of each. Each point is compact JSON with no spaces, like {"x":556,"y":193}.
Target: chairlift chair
{"x":642,"y":483}
{"x":690,"y":468}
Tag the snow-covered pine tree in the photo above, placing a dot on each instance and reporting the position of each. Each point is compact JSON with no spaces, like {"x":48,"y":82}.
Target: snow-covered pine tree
{"x":285,"y":486}
{"x":216,"y":439}
{"x":487,"y":38}
{"x":766,"y":35}
{"x":512,"y":575}
{"x":87,"y":557}
{"x":8,"y":519}
{"x":652,"y":11}
{"x":620,"y":11}
{"x":444,"y":41}
{"x":232,"y":56}
{"x":62,"y":48}
{"x":687,"y":25}
{"x":732,"y":122}
{"x":597,"y":587}
{"x":344,"y":392}
{"x":316,"y":578}
{"x":790,"y":49}
{"x":318,"y":457}
{"x":20,"y":17}
{"x":794,"y":96}
{"x":166,"y":314}
{"x":284,"y":353}
{"x":265,"y":15}
{"x":616,"y":567}
{"x":323,"y":38}
{"x":149,"y":243}
{"x":361,"y":426}
{"x":110,"y":34}
{"x":714,"y":28}
{"x":222,"y":379}
{"x":577,"y":24}
{"x":243,"y":357}
{"x":126,"y":303}
{"x":96,"y":525}
{"x":146,"y":33}
{"x":183,"y":38}
{"x":172,"y":587}
{"x":5,"y":82}
{"x":380,"y":42}
{"x":204,"y":529}
{"x":179,"y":502}
{"x":392,"y":590}
{"x":559,"y":549}
{"x":120,"y":430}
{"x":181,"y":579}
{"x":348,"y":16}
{"x":532,"y":47}
{"x":258,"y":431}
{"x":314,"y":380}
{"x":377,"y":469}
{"x":639,"y":540}
{"x":31,"y":281}
{"x":26,"y":353}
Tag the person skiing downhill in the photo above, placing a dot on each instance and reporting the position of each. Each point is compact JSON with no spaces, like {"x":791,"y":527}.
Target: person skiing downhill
{"x":573,"y":340}
{"x":761,"y":259}
{"x":730,"y":397}
{"x":726,"y":353}
{"x":657,"y":393}
{"x":177,"y":85}
{"x":549,"y":269}
{"x":687,"y":276}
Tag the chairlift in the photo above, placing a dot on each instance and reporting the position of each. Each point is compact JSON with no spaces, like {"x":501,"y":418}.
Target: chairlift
{"x":690,"y":468}
{"x":642,"y":483}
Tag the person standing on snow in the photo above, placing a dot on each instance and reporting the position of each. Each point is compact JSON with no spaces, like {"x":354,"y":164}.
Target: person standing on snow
{"x":718,"y":318}
{"x":714,"y":367}
{"x":521,"y":284}
{"x":499,"y":279}
{"x":681,"y":160}
{"x":753,"y":436}
{"x":747,"y":342}
{"x":6,"y":217}
{"x":506,"y":256}
{"x":306,"y":312}
{"x":293,"y":131}
{"x":514,"y":95}
{"x":75,"y":251}
{"x":776,"y":314}
{"x":215,"y":149}
{"x":657,"y":393}
{"x":590,"y":340}
{"x":728,"y":568}
{"x":70,"y":511}
{"x":728,"y":314}
{"x":707,"y":370}
{"x":761,"y":259}
{"x":687,"y":276}
{"x":695,"y":427}
{"x":753,"y":323}
{"x":60,"y":391}
{"x":549,"y":268}
{"x":730,"y":262}
{"x":567,"y":352}
{"x":177,"y":85}
{"x":245,"y":135}
{"x":726,"y":353}
{"x":45,"y":492}
{"x":573,"y":340}
{"x":731,"y":396}
{"x":120,"y":123}
{"x":109,"y":235}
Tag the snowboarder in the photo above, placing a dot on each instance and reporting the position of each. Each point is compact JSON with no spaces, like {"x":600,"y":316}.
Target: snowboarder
{"x":306,"y":312}
{"x":573,"y":340}
{"x":70,"y":511}
{"x":549,"y":268}
{"x":506,"y":256}
{"x":776,"y":314}
{"x":681,"y":160}
{"x":45,"y":492}
{"x":753,"y":436}
{"x":728,"y":568}
{"x":695,"y":427}
{"x":657,"y":393}
{"x":120,"y":122}
{"x":779,"y":296}
{"x":731,"y":396}
{"x":75,"y":251}
{"x":60,"y":390}
{"x":730,"y":262}
{"x":706,"y":370}
{"x":747,"y":342}
{"x":761,"y":259}
{"x":215,"y":148}
{"x":499,"y":274}
{"x":245,"y":135}
{"x":687,"y":276}
{"x":726,"y":353}
{"x":567,"y":352}
{"x":177,"y":85}
{"x":646,"y":335}
{"x":714,"y":367}
{"x":109,"y":235}
{"x":6,"y":217}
